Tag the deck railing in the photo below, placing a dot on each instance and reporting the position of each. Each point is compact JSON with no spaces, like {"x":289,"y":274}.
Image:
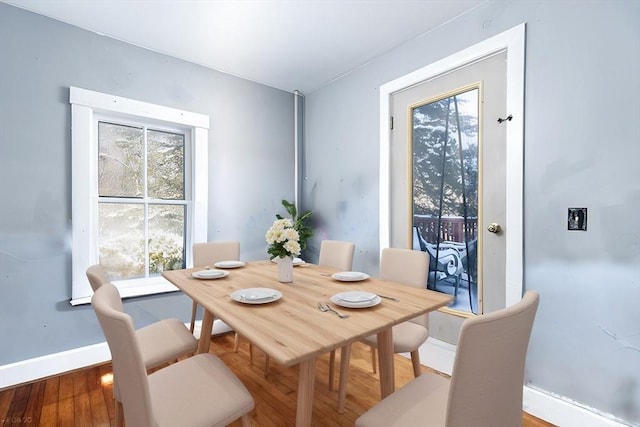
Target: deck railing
{"x":452,"y":229}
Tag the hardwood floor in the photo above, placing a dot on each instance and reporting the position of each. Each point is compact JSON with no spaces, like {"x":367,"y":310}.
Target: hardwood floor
{"x":83,"y":398}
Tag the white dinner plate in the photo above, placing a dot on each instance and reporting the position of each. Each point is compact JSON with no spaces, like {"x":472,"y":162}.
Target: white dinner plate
{"x":356,"y":299}
{"x":256,"y":295}
{"x":350,"y":276}
{"x":296,"y":261}
{"x":210,"y":274}
{"x":228,"y":264}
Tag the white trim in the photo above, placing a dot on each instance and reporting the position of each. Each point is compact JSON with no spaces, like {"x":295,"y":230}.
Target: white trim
{"x":85,"y":105}
{"x":513,"y":40}
{"x":37,"y":368}
{"x":162,"y":287}
{"x":559,"y":412}
{"x":200,"y":189}
{"x":437,"y":355}
{"x":53,"y":364}
{"x":98,"y":101}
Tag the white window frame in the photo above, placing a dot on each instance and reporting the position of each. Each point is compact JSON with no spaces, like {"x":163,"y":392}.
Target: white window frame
{"x":86,"y":107}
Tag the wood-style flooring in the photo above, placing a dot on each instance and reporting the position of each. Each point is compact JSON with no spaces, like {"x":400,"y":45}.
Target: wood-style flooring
{"x":84,"y":398}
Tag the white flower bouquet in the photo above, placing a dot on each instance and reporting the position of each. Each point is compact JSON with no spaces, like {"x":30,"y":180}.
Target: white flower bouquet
{"x":283,"y":239}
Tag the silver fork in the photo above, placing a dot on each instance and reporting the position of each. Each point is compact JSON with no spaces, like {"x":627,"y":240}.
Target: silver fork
{"x":326,"y":307}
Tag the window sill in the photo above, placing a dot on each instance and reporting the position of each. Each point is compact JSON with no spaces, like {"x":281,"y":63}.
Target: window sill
{"x":129,"y":291}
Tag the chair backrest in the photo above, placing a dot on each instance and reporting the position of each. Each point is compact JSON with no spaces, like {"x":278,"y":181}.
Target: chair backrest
{"x":408,"y":267}
{"x":488,"y":370}
{"x":128,"y":369}
{"x":336,"y":254}
{"x":97,"y":276}
{"x":212,"y":252}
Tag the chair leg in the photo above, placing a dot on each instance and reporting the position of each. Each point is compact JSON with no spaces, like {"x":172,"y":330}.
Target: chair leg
{"x":236,"y":342}
{"x":332,"y":361}
{"x":345,"y":355}
{"x":194,"y":309}
{"x":267,"y":364}
{"x":374,"y":364}
{"x":119,"y":415}
{"x":246,"y":420}
{"x":267,"y":360}
{"x":415,"y":361}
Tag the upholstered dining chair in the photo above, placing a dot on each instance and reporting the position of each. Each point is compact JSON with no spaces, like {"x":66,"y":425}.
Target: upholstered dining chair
{"x":199,"y":390}
{"x":336,"y":254}
{"x":411,"y":268}
{"x":162,"y":342}
{"x":208,"y":253}
{"x":485,"y":388}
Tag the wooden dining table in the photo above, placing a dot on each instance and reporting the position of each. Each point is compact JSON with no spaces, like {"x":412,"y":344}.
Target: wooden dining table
{"x":292,"y":330}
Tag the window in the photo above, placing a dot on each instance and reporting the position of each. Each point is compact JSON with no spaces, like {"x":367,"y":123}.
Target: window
{"x":139,"y":190}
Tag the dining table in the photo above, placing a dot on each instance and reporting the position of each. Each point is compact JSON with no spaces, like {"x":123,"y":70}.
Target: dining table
{"x":284,"y":319}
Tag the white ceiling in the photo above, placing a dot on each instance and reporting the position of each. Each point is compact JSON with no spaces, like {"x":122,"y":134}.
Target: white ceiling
{"x":288,"y":44}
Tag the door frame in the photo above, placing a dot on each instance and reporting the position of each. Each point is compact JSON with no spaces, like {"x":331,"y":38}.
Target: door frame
{"x":513,"y":41}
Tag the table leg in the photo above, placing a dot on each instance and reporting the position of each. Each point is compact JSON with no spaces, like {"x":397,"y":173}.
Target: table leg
{"x":205,"y":332}
{"x":306,"y":387}
{"x":345,"y":354}
{"x":385,"y":362}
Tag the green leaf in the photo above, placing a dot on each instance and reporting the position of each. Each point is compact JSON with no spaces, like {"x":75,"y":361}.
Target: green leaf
{"x":290,"y":208}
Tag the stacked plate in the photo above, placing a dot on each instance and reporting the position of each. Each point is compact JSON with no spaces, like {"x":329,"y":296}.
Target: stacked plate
{"x":356,"y":299}
{"x":350,"y":276}
{"x":210,"y":274}
{"x":256,"y":295}
{"x":228,"y":264}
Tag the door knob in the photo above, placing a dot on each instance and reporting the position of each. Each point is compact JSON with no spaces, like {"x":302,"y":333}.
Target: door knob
{"x":494,"y":228}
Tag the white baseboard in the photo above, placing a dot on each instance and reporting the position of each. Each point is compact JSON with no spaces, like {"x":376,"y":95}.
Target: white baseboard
{"x":560,"y":412}
{"x":53,"y":364}
{"x":434,"y":353}
{"x":556,"y":410}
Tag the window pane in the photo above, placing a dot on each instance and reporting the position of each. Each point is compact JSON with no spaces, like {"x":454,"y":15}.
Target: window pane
{"x":121,"y":239}
{"x":165,"y":174}
{"x":120,"y":172}
{"x":166,"y":238}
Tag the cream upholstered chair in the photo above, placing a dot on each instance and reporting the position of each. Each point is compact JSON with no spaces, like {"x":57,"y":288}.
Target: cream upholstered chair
{"x":199,"y":390}
{"x":336,"y":254}
{"x":410,"y":268}
{"x":208,"y":254}
{"x":160,"y":343}
{"x":485,"y":388}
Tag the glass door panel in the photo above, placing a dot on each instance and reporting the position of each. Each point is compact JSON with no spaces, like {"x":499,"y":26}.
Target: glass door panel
{"x":445,"y":193}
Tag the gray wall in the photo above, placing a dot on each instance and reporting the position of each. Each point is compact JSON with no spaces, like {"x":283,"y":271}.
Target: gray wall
{"x":582,"y":147}
{"x":582,"y":133}
{"x":250,"y":161}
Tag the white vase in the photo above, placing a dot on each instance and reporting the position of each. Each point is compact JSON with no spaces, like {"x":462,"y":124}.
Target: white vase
{"x":285,"y":269}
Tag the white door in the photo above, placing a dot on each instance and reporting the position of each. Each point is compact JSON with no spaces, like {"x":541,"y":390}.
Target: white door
{"x":394,"y":208}
{"x":448,"y":180}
